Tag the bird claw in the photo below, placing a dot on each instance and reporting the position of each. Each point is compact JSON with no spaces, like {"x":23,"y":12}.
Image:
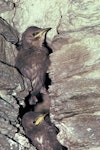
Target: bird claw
{"x":33,"y":100}
{"x":43,"y":90}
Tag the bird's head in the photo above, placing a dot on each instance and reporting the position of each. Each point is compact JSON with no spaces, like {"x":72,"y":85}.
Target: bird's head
{"x":32,"y":120}
{"x":34,"y":36}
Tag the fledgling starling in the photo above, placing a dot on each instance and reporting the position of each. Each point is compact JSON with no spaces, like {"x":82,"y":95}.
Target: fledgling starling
{"x":41,"y":133}
{"x":33,"y":58}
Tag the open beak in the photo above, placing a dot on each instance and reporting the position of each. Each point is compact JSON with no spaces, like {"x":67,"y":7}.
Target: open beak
{"x":42,"y":31}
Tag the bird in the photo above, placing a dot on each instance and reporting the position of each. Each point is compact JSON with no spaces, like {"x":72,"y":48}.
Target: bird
{"x":33,"y":59}
{"x":40,"y":132}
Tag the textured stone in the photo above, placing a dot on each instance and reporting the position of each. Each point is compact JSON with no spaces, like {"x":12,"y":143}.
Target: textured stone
{"x":8,"y":52}
{"x":8,"y":32}
{"x":6,"y":5}
{"x":38,"y":13}
{"x":9,"y":78}
{"x":75,"y":88}
{"x":60,"y":15}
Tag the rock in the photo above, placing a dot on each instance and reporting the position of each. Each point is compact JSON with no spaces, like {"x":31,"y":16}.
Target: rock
{"x":75,"y":88}
{"x":7,"y":143}
{"x":8,"y":32}
{"x":8,"y":52}
{"x":12,"y":95}
{"x":10,"y":79}
{"x":43,"y":14}
{"x":6,"y":5}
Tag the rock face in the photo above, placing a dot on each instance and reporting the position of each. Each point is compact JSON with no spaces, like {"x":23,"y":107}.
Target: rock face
{"x":75,"y":89}
{"x":12,"y":93}
{"x":6,"y":5}
{"x":74,"y":70}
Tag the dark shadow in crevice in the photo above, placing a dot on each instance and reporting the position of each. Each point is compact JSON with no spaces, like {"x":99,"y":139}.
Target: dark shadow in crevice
{"x":64,"y":148}
{"x":47,"y":81}
{"x":47,"y":46}
{"x":27,"y":108}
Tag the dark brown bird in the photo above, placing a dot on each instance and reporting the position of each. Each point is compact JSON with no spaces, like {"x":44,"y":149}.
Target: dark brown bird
{"x":33,"y":58}
{"x":41,"y":133}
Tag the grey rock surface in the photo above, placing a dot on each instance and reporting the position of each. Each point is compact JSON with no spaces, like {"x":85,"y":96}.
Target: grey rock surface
{"x":6,"y":5}
{"x":8,"y":32}
{"x":75,"y":88}
{"x":12,"y":94}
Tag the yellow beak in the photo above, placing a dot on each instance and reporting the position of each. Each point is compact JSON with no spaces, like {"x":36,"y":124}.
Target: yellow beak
{"x":40,"y":119}
{"x":41,"y":32}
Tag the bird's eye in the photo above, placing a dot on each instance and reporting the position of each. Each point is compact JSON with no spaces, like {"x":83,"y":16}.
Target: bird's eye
{"x":34,"y":122}
{"x":34,"y":34}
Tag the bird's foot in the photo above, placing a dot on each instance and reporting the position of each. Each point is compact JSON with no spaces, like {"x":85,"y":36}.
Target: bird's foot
{"x":43,"y":90}
{"x":33,"y":100}
{"x":44,"y":106}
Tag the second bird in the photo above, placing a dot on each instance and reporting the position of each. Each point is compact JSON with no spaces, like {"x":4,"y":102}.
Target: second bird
{"x":33,"y":58}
